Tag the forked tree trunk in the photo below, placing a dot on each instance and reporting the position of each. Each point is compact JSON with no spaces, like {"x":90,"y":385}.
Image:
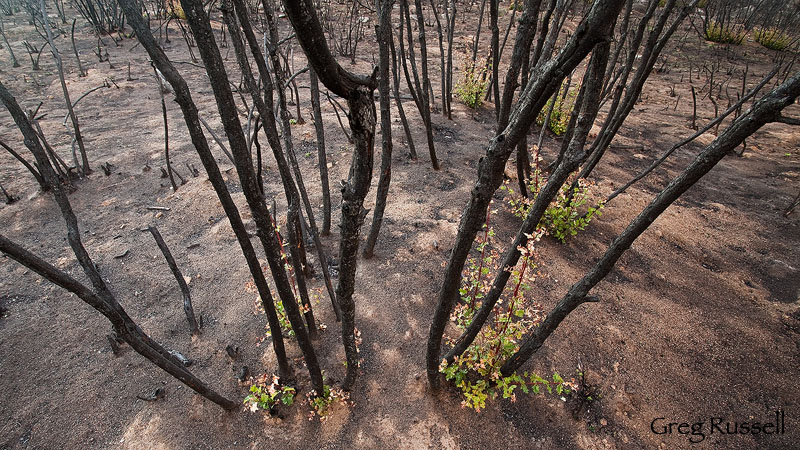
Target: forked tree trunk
{"x":209,"y":52}
{"x":358,"y":91}
{"x":274,"y":141}
{"x":575,"y":155}
{"x":546,"y":79}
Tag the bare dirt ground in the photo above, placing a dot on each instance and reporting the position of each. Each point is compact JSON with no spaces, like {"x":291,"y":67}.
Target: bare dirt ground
{"x":699,"y":319}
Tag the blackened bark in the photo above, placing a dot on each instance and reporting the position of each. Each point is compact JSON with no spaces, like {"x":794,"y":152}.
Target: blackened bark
{"x":294,"y":234}
{"x":495,"y":86}
{"x":575,"y":155}
{"x":84,"y":169}
{"x":546,"y":79}
{"x":176,"y":272}
{"x":322,"y":157}
{"x":189,"y":109}
{"x":362,"y":122}
{"x":398,"y":101}
{"x":209,"y":52}
{"x":101,"y":298}
{"x":764,"y":111}
{"x":652,"y":49}
{"x":384,"y":32}
{"x":443,"y":71}
{"x":267,"y":113}
{"x":358,"y":91}
{"x":522,"y":47}
{"x":426,"y":83}
{"x":28,"y":166}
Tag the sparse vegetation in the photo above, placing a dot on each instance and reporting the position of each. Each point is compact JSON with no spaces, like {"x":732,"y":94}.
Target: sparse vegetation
{"x":472,"y":87}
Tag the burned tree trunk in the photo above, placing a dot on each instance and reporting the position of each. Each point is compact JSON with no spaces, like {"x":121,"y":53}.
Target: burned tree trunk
{"x":322,"y":157}
{"x":384,"y":32}
{"x":546,"y":79}
{"x":209,"y":52}
{"x":398,"y":101}
{"x":101,"y":297}
{"x":176,"y":272}
{"x":84,"y":169}
{"x":766,"y":110}
{"x":574,"y":157}
{"x":358,"y":91}
{"x":266,"y":110}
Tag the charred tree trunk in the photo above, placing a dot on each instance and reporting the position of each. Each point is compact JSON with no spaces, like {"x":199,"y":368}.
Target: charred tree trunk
{"x":575,"y":155}
{"x":84,"y":169}
{"x":358,"y":91}
{"x":398,"y":101}
{"x":546,"y":79}
{"x":176,"y":272}
{"x":420,"y":92}
{"x":322,"y":158}
{"x":209,"y":52}
{"x":766,"y":110}
{"x":384,"y":32}
{"x":267,"y":114}
{"x":101,"y":297}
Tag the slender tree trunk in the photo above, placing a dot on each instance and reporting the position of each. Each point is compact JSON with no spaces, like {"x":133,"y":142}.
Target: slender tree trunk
{"x":423,"y":90}
{"x":477,"y":37}
{"x":384,"y":32}
{"x":575,"y":155}
{"x":173,"y":266}
{"x":443,"y":84}
{"x":78,"y":138}
{"x":764,"y":111}
{"x":209,"y":52}
{"x":398,"y":101}
{"x":321,"y":157}
{"x":294,"y":234}
{"x":267,"y":114}
{"x":101,"y":298}
{"x":495,"y":58}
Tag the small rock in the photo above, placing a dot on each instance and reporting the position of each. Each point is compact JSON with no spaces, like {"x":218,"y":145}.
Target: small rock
{"x":244,"y":372}
{"x":603,"y":423}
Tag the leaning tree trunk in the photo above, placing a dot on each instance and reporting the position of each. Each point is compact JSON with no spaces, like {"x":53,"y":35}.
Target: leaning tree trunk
{"x":546,"y":79}
{"x":398,"y":101}
{"x":574,"y":157}
{"x":275,"y":143}
{"x":189,"y":109}
{"x":766,"y":110}
{"x":322,"y":158}
{"x":358,"y":91}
